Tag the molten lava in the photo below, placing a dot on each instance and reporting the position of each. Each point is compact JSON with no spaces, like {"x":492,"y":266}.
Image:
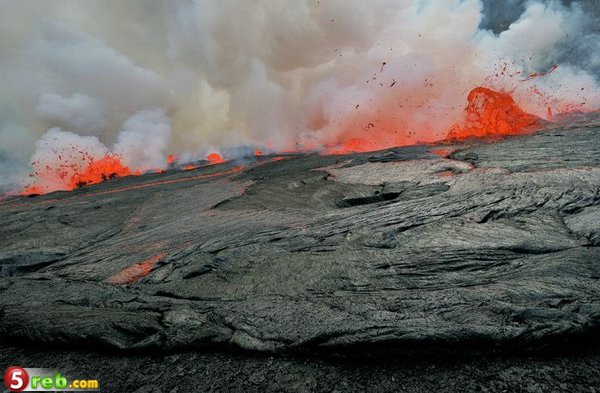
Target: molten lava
{"x":492,"y":113}
{"x":356,"y":145}
{"x":444,"y":153}
{"x":214,"y":158}
{"x":70,"y":175}
{"x":81,"y":169}
{"x":136,"y":271}
{"x":107,"y":167}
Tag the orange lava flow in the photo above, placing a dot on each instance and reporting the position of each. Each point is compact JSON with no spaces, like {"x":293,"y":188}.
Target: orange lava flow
{"x":215,"y":158}
{"x":171,"y":159}
{"x":353,"y":145}
{"x":492,"y":113}
{"x":107,"y":167}
{"x":136,"y":271}
{"x":442,"y":152}
{"x":70,"y":176}
{"x":32,"y":190}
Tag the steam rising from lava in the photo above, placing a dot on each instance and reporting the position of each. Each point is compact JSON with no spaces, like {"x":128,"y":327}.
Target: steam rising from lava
{"x":64,"y":160}
{"x":137,"y":80}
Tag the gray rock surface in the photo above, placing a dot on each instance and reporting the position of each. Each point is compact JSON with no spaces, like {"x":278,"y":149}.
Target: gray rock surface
{"x":216,"y":371}
{"x":491,"y":246}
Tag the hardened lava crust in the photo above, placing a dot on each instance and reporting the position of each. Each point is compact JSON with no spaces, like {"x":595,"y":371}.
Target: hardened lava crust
{"x":481,"y":245}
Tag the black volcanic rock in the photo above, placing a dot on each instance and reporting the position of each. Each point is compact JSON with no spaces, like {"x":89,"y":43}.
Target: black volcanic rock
{"x":493,"y":247}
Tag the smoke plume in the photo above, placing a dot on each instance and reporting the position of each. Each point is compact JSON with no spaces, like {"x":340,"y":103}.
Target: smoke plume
{"x":141,"y":79}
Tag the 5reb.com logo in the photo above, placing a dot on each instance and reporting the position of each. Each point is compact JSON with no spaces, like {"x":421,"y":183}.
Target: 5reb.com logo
{"x":19,"y":379}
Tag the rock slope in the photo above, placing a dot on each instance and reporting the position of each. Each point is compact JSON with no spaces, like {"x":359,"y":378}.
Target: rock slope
{"x":469,"y":245}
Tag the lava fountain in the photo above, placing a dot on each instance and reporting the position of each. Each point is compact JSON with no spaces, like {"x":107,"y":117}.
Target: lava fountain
{"x":74,"y":174}
{"x":491,"y":113}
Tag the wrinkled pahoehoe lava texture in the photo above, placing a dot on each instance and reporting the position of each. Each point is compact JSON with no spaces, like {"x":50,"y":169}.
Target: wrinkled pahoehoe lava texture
{"x":420,"y":247}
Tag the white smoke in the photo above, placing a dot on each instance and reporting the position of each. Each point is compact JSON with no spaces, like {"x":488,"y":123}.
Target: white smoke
{"x":79,"y":112}
{"x":271,"y":74}
{"x":140,"y":146}
{"x":143,"y":141}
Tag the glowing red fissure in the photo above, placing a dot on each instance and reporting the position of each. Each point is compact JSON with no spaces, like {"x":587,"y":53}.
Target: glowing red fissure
{"x":135,"y":272}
